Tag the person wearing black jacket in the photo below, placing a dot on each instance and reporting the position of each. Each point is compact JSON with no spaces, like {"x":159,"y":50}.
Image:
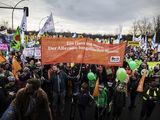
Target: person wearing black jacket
{"x":84,"y":99}
{"x":119,"y":100}
{"x":58,"y":83}
{"x":3,"y":97}
{"x":132,"y":87}
{"x":150,"y":97}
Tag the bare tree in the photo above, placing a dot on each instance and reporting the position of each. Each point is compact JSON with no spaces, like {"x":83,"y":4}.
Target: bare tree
{"x":119,"y":29}
{"x":134,"y":28}
{"x":150,"y":30}
{"x":156,"y":23}
{"x":144,"y":26}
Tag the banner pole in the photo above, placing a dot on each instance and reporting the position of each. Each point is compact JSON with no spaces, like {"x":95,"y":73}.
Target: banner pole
{"x":83,"y":57}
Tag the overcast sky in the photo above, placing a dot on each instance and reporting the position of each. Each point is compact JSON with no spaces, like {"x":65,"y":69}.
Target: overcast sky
{"x":83,"y":16}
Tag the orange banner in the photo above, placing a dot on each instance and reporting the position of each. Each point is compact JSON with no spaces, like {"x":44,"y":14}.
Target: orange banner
{"x":81,"y":50}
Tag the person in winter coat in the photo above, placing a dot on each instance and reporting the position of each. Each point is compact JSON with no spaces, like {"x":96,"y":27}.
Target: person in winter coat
{"x":30,"y":103}
{"x":150,"y":97}
{"x":58,"y":83}
{"x":132,"y":88}
{"x":23,"y":77}
{"x":84,"y":99}
{"x":119,"y":100}
{"x":3,"y":98}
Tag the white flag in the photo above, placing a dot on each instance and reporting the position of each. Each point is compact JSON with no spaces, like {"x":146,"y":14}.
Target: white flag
{"x":142,"y":42}
{"x":117,"y":41}
{"x":154,"y":41}
{"x":23,"y":26}
{"x":145,"y":48}
{"x":74,"y":35}
{"x":133,"y":38}
{"x":48,"y":26}
{"x":154,"y":38}
{"x":120,"y":36}
{"x":139,"y":38}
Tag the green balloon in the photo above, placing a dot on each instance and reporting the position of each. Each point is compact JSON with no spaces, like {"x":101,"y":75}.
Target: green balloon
{"x":132,"y":65}
{"x":91,"y":76}
{"x":121,"y":74}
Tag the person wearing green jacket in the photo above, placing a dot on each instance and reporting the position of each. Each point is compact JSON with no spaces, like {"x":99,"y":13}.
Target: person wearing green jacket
{"x":101,"y":103}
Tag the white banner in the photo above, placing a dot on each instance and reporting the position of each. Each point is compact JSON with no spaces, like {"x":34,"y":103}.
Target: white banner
{"x":28,"y":52}
{"x":37,"y":53}
{"x":32,"y":52}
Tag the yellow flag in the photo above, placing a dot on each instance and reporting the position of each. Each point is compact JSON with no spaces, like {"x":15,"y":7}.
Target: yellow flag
{"x":96,"y":89}
{"x":15,"y":67}
{"x":141,"y":82}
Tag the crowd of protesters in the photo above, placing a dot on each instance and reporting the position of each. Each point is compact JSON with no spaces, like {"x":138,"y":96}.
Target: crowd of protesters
{"x":40,"y":92}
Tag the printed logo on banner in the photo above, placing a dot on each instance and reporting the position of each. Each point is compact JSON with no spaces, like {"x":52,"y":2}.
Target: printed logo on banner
{"x":115,"y":59}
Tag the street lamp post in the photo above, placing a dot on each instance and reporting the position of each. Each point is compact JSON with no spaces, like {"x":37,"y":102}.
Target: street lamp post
{"x":13,"y":10}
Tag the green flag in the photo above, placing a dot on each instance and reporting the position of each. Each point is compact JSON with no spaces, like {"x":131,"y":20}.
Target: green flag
{"x":16,"y":41}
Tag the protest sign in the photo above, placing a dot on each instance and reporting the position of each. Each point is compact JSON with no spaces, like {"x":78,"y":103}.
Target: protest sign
{"x":3,"y":46}
{"x":133,"y":43}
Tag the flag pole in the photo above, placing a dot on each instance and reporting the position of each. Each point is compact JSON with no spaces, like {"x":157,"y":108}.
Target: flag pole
{"x":83,"y":57}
